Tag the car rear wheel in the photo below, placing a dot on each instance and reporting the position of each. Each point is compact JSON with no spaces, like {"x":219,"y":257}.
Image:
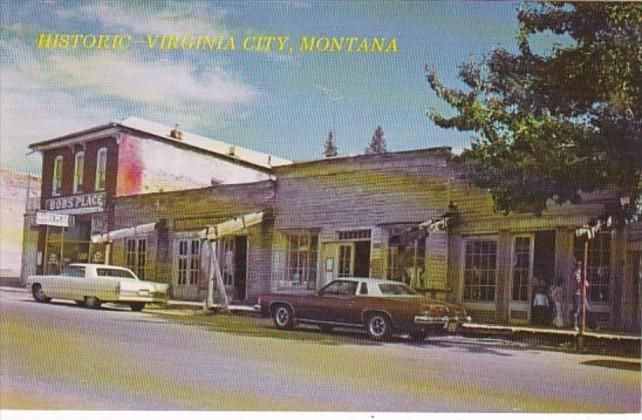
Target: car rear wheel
{"x":39,"y":294}
{"x":379,"y":327}
{"x":92,"y":302}
{"x":137,"y":307}
{"x":283,"y":317}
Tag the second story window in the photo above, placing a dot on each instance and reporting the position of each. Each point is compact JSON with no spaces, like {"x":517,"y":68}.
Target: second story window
{"x":79,"y":171}
{"x":101,"y":169}
{"x":56,"y":187}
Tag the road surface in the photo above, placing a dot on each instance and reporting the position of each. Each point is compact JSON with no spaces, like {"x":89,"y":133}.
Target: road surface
{"x":61,"y":356}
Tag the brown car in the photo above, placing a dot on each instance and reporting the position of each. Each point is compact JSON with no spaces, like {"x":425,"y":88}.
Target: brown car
{"x":382,"y":307}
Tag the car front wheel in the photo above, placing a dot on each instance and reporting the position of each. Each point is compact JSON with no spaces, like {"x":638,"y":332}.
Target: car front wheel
{"x":283,"y":317}
{"x":39,"y":294}
{"x":92,"y":302}
{"x":379,"y":327}
{"x":137,"y":307}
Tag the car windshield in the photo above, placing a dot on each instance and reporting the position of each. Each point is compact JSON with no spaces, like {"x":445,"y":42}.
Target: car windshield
{"x":114,"y":272}
{"x":74,"y":271}
{"x":396,"y":289}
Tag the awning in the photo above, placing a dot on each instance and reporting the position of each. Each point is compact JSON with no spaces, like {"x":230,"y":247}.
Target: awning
{"x":435,"y":225}
{"x":123,"y":233}
{"x":231,"y":226}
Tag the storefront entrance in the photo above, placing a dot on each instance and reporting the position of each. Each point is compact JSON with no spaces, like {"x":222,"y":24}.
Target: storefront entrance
{"x":233,"y":263}
{"x":70,"y":245}
{"x":532,"y":271}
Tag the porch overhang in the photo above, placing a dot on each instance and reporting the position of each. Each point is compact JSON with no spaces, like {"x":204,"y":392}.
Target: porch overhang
{"x":123,"y":233}
{"x":231,"y":226}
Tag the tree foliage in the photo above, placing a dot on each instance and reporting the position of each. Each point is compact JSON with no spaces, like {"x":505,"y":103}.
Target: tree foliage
{"x":378,"y":143}
{"x":329,"y":148}
{"x":550,"y":125}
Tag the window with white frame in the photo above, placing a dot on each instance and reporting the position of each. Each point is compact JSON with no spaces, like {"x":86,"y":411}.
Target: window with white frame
{"x":480,"y":270}
{"x":56,"y":187}
{"x":188,"y":261}
{"x":79,"y":171}
{"x":599,"y":265}
{"x":136,"y":251}
{"x":101,"y":169}
{"x":301,"y":264}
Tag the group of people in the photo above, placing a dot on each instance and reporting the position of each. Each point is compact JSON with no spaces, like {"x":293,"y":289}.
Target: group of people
{"x":547,"y":304}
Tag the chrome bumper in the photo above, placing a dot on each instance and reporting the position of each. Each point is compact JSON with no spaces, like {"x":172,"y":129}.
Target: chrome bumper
{"x":445,"y":321}
{"x":257,"y":308}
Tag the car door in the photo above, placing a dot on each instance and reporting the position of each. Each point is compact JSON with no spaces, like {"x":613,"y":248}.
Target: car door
{"x":335,"y":302}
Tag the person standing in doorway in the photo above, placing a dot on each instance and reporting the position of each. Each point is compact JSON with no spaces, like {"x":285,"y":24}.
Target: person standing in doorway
{"x":540,"y":307}
{"x":557,"y":294}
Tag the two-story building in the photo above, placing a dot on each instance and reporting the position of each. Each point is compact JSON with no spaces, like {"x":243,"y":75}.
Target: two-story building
{"x":84,"y":172}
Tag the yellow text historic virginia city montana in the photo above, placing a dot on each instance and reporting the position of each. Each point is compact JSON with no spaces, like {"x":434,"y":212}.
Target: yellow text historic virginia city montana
{"x":249,"y":43}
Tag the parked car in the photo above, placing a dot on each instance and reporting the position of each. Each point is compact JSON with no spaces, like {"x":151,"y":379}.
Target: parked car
{"x":381,"y":307}
{"x":91,"y":285}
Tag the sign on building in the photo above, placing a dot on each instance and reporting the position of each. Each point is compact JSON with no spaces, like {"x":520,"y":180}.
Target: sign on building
{"x":77,"y":204}
{"x":47,"y":218}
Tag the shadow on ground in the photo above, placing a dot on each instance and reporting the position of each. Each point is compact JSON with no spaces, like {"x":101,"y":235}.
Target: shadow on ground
{"x":613,"y":364}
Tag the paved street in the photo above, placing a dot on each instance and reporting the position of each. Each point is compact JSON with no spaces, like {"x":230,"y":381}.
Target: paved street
{"x":59,"y":355}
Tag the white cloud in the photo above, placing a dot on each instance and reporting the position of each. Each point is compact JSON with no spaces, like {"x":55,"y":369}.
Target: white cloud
{"x":141,"y":18}
{"x":149,"y":82}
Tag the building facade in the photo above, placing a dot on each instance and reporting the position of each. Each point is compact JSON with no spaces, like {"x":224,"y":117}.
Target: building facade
{"x":83,"y":173}
{"x":408,"y":216}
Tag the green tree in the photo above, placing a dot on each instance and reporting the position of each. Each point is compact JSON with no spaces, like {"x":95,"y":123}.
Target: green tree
{"x":552,"y":124}
{"x":329,"y":148}
{"x":378,"y":143}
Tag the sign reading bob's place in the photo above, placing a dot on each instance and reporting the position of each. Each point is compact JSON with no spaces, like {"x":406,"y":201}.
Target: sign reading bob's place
{"x":77,"y":204}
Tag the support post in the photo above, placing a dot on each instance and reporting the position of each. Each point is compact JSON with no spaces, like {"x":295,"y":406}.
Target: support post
{"x":215,"y":275}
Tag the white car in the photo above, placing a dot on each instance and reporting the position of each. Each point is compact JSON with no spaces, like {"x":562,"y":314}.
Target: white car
{"x":92,"y":284}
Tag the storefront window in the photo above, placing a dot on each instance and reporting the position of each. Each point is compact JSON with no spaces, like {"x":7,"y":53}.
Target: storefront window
{"x":70,"y":245}
{"x":407,"y":263}
{"x":521,"y":268}
{"x":599,"y":265}
{"x":137,"y":256}
{"x":188,"y":261}
{"x":480,"y":275}
{"x":302,"y":259}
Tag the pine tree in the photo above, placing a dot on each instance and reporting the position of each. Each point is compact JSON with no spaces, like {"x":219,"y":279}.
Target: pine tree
{"x":329,"y":148}
{"x":378,"y":143}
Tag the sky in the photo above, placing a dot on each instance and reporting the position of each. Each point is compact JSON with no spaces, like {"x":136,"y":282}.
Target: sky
{"x":279,"y":103}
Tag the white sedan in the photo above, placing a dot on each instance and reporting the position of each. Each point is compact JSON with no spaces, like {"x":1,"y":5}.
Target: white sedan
{"x":92,"y":284}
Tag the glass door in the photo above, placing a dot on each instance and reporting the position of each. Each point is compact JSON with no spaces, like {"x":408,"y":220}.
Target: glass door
{"x":346,"y":260}
{"x":521,"y":275}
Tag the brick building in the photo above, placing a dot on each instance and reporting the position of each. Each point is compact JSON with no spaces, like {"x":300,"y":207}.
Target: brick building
{"x":83,"y":173}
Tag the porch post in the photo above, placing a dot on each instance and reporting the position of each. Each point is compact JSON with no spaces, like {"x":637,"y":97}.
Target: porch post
{"x":215,"y":274}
